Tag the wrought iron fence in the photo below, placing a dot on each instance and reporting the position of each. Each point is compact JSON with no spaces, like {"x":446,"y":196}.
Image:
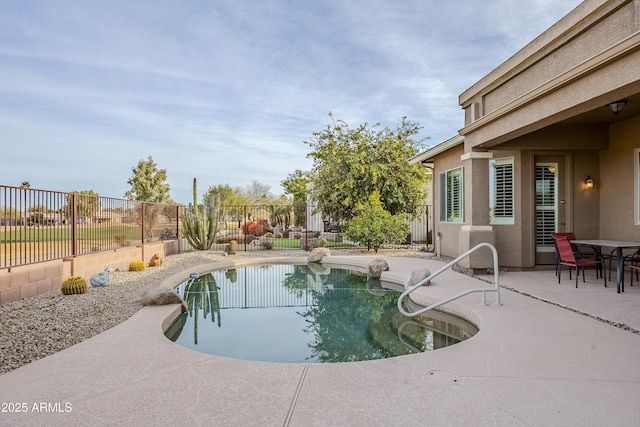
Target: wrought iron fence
{"x":40,"y":225}
{"x":281,"y":226}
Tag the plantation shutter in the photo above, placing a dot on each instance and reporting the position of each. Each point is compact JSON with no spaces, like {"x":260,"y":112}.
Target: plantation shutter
{"x":502,"y":191}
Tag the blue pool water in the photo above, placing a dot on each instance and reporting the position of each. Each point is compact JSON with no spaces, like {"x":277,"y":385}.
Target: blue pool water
{"x":300,"y":313}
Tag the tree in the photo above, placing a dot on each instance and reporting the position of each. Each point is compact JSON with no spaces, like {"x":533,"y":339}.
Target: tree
{"x":296,"y":185}
{"x":148,"y":183}
{"x":258,"y":193}
{"x":350,"y":164}
{"x":373,"y":226}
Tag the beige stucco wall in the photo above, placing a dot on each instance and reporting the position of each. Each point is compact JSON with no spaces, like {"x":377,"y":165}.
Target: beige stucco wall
{"x":575,"y":67}
{"x":448,"y":231}
{"x":617,"y":182}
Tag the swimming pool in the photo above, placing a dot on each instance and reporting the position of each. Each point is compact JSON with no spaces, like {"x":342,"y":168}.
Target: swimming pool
{"x":304,"y":313}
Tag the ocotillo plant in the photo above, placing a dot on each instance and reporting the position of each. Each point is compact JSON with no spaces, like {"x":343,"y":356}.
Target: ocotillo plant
{"x":200,"y":227}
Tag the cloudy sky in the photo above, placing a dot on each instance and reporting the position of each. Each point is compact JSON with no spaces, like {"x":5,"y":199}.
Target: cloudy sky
{"x":228,"y":91}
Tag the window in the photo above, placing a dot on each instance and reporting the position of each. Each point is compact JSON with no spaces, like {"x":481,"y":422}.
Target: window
{"x":501,"y":191}
{"x":636,"y":185}
{"x":451,"y":196}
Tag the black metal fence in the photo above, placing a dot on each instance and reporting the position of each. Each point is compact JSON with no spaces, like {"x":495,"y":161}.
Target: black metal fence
{"x":40,"y":225}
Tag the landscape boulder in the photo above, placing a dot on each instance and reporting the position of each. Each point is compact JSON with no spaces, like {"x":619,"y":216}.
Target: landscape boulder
{"x":155,"y":261}
{"x":161,"y":296}
{"x":417,"y":276}
{"x":101,"y":279}
{"x":376,"y":267}
{"x":317,"y":254}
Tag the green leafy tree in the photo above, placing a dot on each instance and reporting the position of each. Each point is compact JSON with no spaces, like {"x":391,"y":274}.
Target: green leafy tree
{"x":373,"y":225}
{"x":148,"y":183}
{"x":349,"y":164}
{"x":296,"y":185}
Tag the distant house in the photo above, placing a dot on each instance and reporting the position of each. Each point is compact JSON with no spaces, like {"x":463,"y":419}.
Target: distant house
{"x":550,"y":142}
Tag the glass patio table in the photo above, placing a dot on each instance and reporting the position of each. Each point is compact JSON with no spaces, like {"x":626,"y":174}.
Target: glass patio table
{"x":619,"y":246}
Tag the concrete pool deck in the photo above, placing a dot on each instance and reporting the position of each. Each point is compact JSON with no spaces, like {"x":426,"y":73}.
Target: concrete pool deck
{"x":548,"y":356}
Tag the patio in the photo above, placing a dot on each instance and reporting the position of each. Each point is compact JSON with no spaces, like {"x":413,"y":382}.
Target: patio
{"x":532,"y":363}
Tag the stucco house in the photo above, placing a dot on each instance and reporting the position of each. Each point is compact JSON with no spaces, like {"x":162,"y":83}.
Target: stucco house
{"x":550,"y":142}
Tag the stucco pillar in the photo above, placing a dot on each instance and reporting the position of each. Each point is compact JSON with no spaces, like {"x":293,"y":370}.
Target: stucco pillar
{"x":476,"y":229}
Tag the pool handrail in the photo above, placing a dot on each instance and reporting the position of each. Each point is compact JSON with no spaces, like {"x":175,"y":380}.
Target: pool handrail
{"x":496,"y":287}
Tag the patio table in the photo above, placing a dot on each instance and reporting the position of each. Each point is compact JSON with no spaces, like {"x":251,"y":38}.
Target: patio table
{"x":619,"y":246}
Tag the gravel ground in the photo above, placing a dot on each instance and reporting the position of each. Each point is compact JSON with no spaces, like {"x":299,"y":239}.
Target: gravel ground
{"x":36,"y":327}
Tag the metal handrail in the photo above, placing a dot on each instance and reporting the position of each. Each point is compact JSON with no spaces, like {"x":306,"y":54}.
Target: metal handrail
{"x":484,"y":291}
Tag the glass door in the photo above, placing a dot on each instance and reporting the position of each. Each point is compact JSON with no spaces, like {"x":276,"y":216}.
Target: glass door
{"x":546,"y":209}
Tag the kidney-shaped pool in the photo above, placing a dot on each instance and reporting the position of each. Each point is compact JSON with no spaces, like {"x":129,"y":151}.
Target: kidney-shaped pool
{"x":304,"y":313}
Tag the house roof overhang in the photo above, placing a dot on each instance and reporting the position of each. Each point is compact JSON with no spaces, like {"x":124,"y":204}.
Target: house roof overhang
{"x":427,"y":156}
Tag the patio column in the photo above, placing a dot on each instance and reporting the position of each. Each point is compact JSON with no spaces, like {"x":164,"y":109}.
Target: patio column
{"x":476,"y":196}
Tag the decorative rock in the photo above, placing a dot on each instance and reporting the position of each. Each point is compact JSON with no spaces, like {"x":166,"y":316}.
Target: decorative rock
{"x":162,"y":297}
{"x":317,"y":254}
{"x":101,"y":279}
{"x":376,"y":267}
{"x":417,"y":276}
{"x":155,"y":261}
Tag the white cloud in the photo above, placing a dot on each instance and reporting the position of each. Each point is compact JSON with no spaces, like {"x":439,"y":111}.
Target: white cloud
{"x":228,"y":91}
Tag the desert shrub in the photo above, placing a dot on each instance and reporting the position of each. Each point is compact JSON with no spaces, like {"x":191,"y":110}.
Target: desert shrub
{"x":137,"y":265}
{"x":278,"y":235}
{"x":373,"y":226}
{"x":269,"y":235}
{"x":267,"y":244}
{"x":257,"y":228}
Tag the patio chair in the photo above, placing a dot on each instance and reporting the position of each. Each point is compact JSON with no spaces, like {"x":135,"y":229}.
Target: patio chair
{"x":633,"y":262}
{"x":569,"y":259}
{"x":634,"y":268}
{"x":580,"y":252}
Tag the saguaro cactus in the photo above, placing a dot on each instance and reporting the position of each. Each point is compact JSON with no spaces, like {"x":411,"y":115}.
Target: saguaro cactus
{"x":200,"y":226}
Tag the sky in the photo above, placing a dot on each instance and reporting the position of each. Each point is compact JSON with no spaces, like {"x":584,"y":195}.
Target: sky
{"x":229,"y":91}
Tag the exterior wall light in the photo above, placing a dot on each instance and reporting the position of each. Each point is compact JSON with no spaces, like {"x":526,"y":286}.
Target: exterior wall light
{"x":616,"y":106}
{"x":588,"y":183}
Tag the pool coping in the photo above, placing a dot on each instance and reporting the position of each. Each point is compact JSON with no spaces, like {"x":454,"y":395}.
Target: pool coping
{"x":531,"y":363}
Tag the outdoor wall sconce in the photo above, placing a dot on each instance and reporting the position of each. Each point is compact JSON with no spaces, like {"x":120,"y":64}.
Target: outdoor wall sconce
{"x":588,"y":183}
{"x":617,"y":106}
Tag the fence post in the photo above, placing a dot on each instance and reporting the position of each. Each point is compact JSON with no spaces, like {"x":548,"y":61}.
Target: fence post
{"x":245,"y":221}
{"x":74,"y":225}
{"x":178,"y":226}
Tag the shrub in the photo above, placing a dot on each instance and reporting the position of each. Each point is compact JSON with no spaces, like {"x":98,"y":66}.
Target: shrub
{"x":74,"y":285}
{"x":267,"y":244}
{"x":374,"y":226}
{"x":137,"y":265}
{"x":256,"y":228}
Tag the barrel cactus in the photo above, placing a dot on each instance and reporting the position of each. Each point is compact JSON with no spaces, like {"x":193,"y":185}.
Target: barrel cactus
{"x":74,"y":285}
{"x":137,"y":265}
{"x":233,"y":247}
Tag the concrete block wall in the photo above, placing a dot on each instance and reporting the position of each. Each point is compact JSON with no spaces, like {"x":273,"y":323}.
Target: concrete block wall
{"x":30,"y":280}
